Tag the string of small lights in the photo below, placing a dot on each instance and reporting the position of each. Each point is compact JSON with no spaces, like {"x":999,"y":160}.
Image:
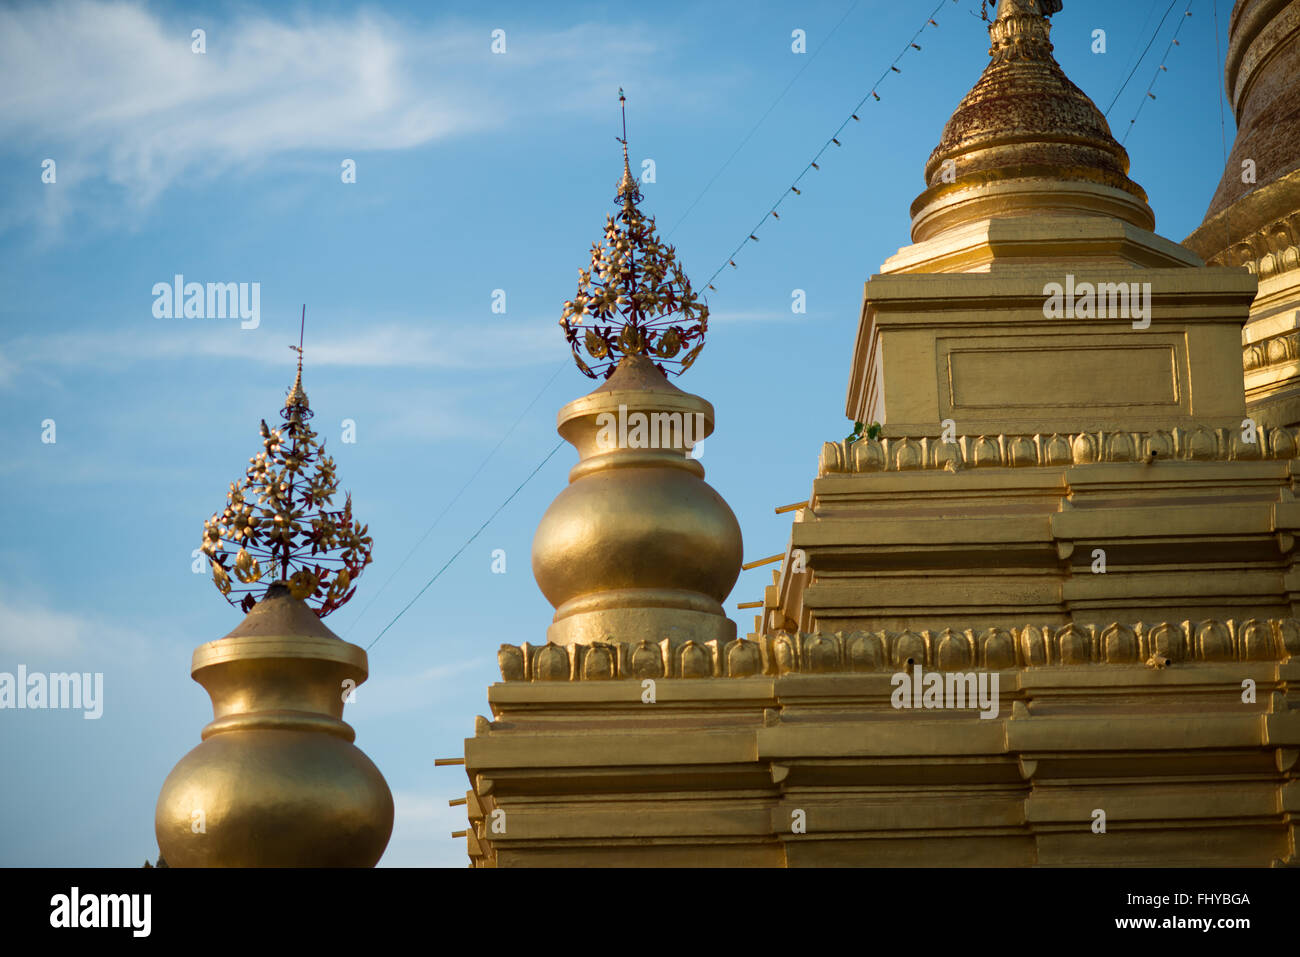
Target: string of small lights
{"x":754,"y":129}
{"x":813,"y":165}
{"x":1138,"y":62}
{"x":893,"y":68}
{"x":1173,"y":42}
{"x":853,"y":117}
{"x":773,"y":213}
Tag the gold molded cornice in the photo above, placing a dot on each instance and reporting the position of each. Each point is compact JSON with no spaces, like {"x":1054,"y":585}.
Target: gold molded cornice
{"x":1015,"y":243}
{"x":1272,"y":351}
{"x":249,"y":647}
{"x":636,"y":386}
{"x":904,"y":454}
{"x":1155,"y":644}
{"x":1260,"y":231}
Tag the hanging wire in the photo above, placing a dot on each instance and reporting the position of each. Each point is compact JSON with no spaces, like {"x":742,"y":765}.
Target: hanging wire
{"x":1138,"y":62}
{"x":707,"y":186}
{"x":457,"y":496}
{"x":1223,"y":133}
{"x":1173,"y":42}
{"x":468,"y":542}
{"x":752,"y":236}
{"x":731,"y":259}
{"x":833,"y":140}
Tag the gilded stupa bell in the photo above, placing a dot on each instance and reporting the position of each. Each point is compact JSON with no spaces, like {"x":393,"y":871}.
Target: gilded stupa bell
{"x":276,"y":780}
{"x":1025,"y":140}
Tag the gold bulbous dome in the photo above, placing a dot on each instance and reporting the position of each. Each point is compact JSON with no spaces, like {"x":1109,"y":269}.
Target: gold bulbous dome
{"x":637,"y":546}
{"x":1025,"y":139}
{"x":276,"y":781}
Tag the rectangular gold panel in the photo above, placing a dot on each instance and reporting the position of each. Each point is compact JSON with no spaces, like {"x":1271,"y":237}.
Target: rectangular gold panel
{"x":987,"y":374}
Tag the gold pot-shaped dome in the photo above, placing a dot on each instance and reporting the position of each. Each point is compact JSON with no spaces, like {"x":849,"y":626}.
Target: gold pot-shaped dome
{"x":1260,"y":75}
{"x":1254,"y":217}
{"x":276,"y":781}
{"x":1025,"y":140}
{"x":638,"y":545}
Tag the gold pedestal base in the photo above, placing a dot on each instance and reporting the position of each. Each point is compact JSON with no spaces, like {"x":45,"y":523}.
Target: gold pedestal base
{"x":638,"y":548}
{"x":643,"y":617}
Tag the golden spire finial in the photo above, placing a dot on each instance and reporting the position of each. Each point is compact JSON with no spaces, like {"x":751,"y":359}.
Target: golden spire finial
{"x":1020,"y":29}
{"x":277,"y":521}
{"x":1010,"y":8}
{"x":628,"y":190}
{"x":636,"y":293}
{"x":297,"y":397}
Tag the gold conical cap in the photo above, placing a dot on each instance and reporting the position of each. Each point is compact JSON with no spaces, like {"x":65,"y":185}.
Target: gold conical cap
{"x":1025,"y":139}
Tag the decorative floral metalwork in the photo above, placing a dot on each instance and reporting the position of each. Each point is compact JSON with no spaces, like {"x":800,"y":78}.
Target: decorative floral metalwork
{"x":277,"y":524}
{"x":635,"y":299}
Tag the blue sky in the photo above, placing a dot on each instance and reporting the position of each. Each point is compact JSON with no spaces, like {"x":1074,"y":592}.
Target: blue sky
{"x":474,"y":172}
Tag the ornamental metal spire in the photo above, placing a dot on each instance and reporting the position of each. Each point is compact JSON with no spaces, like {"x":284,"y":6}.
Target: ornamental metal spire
{"x":628,"y":191}
{"x":277,"y":521}
{"x":635,"y":298}
{"x":296,"y":396}
{"x":1008,"y":8}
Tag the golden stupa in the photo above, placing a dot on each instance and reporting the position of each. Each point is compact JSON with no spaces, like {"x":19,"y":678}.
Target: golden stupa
{"x":638,"y":543}
{"x":277,"y":781}
{"x":1254,"y":218}
{"x":1043,"y":617}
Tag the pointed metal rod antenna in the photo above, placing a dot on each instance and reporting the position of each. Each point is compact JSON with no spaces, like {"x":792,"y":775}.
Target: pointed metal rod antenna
{"x":301,"y":331}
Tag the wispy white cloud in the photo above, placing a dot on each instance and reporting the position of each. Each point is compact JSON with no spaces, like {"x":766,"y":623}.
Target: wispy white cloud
{"x":30,"y":628}
{"x":428,"y":344}
{"x":51,"y":471}
{"x":113,"y":91}
{"x":398,"y":693}
{"x":446,"y":671}
{"x":758,"y":316}
{"x":114,"y":83}
{"x":422,"y":826}
{"x":8,"y":369}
